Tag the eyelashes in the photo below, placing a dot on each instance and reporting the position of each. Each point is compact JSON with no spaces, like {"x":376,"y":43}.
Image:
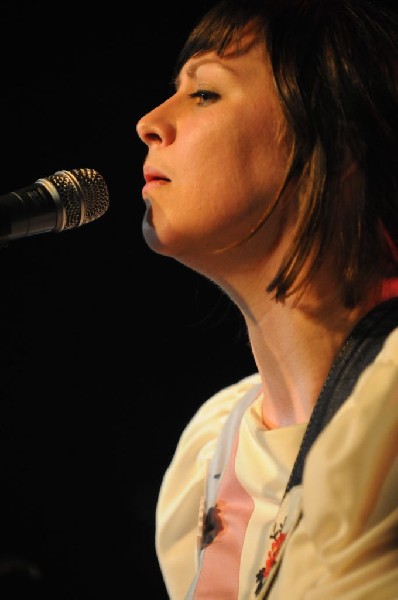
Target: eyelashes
{"x":204,"y":96}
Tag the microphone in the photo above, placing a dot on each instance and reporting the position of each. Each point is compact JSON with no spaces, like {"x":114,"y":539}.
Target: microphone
{"x":62,"y":201}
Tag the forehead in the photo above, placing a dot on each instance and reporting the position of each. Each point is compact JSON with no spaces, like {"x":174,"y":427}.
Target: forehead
{"x":250,"y":47}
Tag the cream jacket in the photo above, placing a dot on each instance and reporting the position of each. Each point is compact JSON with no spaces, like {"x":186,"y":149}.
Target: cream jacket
{"x":344,"y":546}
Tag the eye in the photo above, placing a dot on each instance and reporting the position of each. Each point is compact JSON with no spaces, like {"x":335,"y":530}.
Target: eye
{"x":204,"y":96}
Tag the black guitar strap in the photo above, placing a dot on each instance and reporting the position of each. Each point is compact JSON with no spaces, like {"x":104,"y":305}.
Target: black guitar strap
{"x":359,"y":350}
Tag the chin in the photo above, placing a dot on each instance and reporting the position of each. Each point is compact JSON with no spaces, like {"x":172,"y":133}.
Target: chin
{"x":162,"y":240}
{"x":152,"y":239}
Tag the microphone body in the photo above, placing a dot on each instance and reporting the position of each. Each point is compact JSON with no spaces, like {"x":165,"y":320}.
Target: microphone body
{"x":62,"y":201}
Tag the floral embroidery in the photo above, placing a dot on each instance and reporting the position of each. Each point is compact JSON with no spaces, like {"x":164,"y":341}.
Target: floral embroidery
{"x":278,"y":535}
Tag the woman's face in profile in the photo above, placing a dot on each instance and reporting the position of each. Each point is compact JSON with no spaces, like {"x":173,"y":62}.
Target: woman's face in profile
{"x":215,"y":155}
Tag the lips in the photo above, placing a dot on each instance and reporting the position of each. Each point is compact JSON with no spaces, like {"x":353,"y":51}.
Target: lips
{"x":153,"y":179}
{"x":151,"y":174}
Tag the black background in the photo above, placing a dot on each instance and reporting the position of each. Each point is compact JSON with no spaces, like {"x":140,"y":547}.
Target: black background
{"x":106,"y":349}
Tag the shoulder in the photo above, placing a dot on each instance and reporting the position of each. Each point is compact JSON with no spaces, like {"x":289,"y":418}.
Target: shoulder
{"x":183,"y":486}
{"x":389,"y":352}
{"x":354,"y":462}
{"x":202,"y":431}
{"x":353,"y":467}
{"x":222,"y":402}
{"x":198,"y":439}
{"x":375,"y":384}
{"x":365,"y":423}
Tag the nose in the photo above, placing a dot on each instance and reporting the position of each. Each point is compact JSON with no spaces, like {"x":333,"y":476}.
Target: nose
{"x":146,"y":132}
{"x":153,"y":128}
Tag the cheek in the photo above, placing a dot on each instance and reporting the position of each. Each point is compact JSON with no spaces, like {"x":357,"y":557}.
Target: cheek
{"x":264,"y":148}
{"x":224,"y":180}
{"x":209,"y":174}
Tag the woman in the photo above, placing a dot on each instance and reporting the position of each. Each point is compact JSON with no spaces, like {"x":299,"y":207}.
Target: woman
{"x":272,"y":170}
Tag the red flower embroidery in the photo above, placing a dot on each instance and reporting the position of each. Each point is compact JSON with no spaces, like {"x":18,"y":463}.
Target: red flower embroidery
{"x":273,"y":553}
{"x":279,"y":537}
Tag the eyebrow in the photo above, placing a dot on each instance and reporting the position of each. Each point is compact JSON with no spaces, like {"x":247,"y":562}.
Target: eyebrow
{"x":198,"y":62}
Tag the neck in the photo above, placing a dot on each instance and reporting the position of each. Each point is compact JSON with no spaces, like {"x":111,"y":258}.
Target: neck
{"x":294,"y":344}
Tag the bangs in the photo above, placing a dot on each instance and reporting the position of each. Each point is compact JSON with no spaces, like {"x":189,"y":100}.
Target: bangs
{"x":225,"y":24}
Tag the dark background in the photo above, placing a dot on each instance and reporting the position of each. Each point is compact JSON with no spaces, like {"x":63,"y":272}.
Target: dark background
{"x":106,"y":349}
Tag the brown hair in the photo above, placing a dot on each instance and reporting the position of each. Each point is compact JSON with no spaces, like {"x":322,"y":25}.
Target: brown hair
{"x":335,"y":65}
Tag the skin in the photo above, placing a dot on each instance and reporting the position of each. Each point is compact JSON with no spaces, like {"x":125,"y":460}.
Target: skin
{"x":223,"y":159}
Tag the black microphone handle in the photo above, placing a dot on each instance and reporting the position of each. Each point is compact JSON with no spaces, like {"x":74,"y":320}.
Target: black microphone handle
{"x":33,"y":209}
{"x":59,"y":202}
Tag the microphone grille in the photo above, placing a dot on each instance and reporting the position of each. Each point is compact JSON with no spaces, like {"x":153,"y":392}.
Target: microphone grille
{"x":84,"y":196}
